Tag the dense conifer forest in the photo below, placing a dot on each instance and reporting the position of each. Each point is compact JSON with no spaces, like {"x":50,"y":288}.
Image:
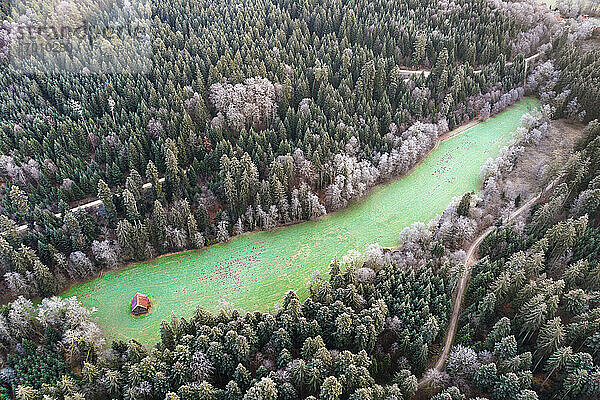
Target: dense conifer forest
{"x":238,"y":129}
{"x":254,"y":114}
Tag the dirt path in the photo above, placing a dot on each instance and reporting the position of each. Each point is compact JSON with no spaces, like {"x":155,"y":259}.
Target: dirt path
{"x":426,"y":72}
{"x":91,"y":204}
{"x":470,"y":260}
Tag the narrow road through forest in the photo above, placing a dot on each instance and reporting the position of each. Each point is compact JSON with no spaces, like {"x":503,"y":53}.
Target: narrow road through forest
{"x":426,"y":72}
{"x":91,"y":204}
{"x":470,"y":260}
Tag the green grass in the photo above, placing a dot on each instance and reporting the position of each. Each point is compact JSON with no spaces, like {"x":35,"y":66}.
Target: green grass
{"x":254,"y":271}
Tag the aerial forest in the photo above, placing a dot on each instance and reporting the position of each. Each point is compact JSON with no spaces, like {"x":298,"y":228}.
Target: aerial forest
{"x":231,"y":117}
{"x":236,"y":129}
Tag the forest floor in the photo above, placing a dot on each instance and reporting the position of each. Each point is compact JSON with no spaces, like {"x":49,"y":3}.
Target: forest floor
{"x":528,"y":176}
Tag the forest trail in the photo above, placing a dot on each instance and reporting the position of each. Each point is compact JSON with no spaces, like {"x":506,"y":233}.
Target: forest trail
{"x":426,"y":72}
{"x":527,"y":61}
{"x":470,"y":260}
{"x":91,"y":204}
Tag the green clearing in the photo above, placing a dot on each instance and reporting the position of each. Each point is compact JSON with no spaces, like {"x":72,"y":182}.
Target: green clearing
{"x":255,"y":270}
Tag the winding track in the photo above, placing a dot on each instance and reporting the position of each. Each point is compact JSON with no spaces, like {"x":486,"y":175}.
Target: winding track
{"x":91,"y":204}
{"x":470,"y":260}
{"x":426,"y":72}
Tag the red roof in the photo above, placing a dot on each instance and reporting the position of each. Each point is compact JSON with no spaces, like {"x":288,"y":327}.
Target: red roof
{"x":139,"y":300}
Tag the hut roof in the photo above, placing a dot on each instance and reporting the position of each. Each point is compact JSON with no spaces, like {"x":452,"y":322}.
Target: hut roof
{"x":139,"y":300}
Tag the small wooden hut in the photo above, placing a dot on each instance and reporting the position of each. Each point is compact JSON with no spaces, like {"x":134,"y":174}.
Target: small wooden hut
{"x":140,"y":304}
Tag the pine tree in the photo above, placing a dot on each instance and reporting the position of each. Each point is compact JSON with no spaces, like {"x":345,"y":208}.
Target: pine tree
{"x":134,"y":184}
{"x":550,"y":337}
{"x":130,"y":205}
{"x":172,"y":181}
{"x":19,"y":199}
{"x":464,"y":205}
{"x":106,"y":196}
{"x":419,"y":48}
{"x":152,"y":175}
{"x":159,"y":220}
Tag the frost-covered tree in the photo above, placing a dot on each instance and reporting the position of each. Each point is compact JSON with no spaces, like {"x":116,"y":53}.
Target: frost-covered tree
{"x":107,"y":252}
{"x":222,"y":231}
{"x":251,"y":103}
